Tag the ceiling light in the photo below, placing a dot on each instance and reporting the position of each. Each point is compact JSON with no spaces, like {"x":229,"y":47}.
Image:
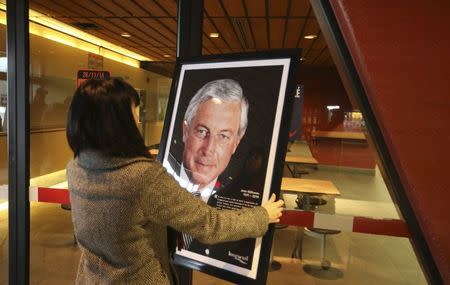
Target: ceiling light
{"x":166,"y":55}
{"x":333,"y":107}
{"x":3,"y":206}
{"x":302,"y":59}
{"x":125,"y":35}
{"x":310,"y":37}
{"x":214,"y":35}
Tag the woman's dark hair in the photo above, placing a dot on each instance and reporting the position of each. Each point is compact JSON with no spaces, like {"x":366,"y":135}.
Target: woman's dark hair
{"x":100,"y":118}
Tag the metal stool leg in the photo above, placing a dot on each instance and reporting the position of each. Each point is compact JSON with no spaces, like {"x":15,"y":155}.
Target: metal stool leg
{"x":297,"y":252}
{"x":326,"y":264}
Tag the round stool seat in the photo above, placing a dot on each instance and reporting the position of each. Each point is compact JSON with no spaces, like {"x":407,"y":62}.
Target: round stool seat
{"x":324,"y":231}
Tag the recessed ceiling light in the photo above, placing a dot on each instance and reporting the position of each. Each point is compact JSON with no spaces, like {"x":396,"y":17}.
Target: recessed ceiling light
{"x":310,"y":37}
{"x":125,"y":35}
{"x":166,"y":55}
{"x":214,"y":35}
{"x":302,"y":59}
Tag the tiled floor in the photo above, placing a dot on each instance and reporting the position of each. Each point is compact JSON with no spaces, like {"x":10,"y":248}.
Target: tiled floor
{"x":355,"y":258}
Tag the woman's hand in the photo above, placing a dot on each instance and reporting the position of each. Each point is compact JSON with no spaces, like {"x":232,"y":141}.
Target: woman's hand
{"x":273,"y":208}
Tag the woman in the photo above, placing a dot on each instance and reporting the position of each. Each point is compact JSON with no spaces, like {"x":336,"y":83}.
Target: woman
{"x":123,"y":201}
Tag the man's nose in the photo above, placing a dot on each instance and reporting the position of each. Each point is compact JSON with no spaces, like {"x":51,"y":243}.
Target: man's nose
{"x":209,"y":144}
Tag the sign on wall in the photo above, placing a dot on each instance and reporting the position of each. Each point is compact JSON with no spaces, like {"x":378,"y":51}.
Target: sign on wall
{"x":83,"y":75}
{"x":95,"y":61}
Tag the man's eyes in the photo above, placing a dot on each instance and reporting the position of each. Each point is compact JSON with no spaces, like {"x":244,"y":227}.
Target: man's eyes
{"x":204,"y":133}
{"x":201,"y":133}
{"x":223,"y":137}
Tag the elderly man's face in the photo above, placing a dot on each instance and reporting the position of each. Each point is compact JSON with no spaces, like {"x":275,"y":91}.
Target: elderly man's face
{"x":211,"y":139}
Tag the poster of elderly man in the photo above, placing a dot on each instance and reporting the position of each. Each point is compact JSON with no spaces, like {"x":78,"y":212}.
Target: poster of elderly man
{"x":224,"y":141}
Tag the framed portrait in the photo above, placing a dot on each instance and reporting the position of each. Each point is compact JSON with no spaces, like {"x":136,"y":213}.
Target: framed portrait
{"x":224,"y":140}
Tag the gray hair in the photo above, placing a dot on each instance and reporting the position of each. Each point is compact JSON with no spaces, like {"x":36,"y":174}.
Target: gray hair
{"x":226,"y":90}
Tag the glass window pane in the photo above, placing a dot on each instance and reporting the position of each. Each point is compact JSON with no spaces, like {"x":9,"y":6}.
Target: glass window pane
{"x":55,"y":58}
{"x":332,"y":152}
{"x":3,"y":154}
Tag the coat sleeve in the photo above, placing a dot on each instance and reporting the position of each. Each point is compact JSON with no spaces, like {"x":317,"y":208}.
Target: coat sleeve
{"x":166,"y":202}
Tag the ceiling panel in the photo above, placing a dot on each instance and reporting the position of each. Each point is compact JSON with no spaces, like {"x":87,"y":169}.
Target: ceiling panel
{"x":213,"y":8}
{"x":120,"y":26}
{"x":278,"y":8}
{"x":163,"y":27}
{"x":277,"y":28}
{"x":153,"y":8}
{"x":133,"y":8}
{"x":244,"y":32}
{"x":321,"y":57}
{"x":320,"y":42}
{"x":294,"y":28}
{"x":299,"y":8}
{"x":312,"y":27}
{"x":170,"y":23}
{"x":169,"y":6}
{"x":256,"y":8}
{"x":243,"y":25}
{"x":259,"y":29}
{"x":61,"y":9}
{"x":234,"y":8}
{"x":96,"y":8}
{"x":48,"y":10}
{"x":210,"y":27}
{"x":113,"y":8}
{"x":227,"y":32}
{"x":151,"y":30}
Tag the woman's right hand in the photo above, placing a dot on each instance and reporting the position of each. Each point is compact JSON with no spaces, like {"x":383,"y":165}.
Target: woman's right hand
{"x":273,"y":208}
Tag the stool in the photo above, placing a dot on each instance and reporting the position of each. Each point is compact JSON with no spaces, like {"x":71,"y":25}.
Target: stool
{"x":326,"y":264}
{"x":309,"y":203}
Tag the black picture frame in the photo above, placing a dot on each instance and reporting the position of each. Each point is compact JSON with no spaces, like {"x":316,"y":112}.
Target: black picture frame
{"x":268,"y":80}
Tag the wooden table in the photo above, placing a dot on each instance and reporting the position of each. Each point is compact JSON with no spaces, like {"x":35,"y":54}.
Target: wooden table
{"x":299,"y":160}
{"x":306,"y":189}
{"x":339,"y":135}
{"x":309,"y":186}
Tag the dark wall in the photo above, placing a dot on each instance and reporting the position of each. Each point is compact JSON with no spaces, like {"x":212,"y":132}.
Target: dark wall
{"x":401,"y":52}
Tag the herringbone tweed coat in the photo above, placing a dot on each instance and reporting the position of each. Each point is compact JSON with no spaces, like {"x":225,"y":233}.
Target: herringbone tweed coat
{"x":121,"y":208}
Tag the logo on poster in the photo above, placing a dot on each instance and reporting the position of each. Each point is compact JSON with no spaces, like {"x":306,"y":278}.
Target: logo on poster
{"x":239,"y":258}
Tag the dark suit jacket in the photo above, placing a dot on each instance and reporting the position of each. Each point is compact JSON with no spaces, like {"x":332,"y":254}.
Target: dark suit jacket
{"x":228,"y":195}
{"x":232,"y":196}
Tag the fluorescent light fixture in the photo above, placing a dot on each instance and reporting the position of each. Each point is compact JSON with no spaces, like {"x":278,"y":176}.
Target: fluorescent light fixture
{"x":214,"y":35}
{"x":4,"y":206}
{"x":3,"y":64}
{"x":333,"y":107}
{"x":49,"y":28}
{"x":310,"y":37}
{"x":125,"y":35}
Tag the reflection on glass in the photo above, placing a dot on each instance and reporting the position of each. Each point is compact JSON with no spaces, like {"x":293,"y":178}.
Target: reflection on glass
{"x":53,"y":75}
{"x":334,"y":134}
{"x":3,"y":160}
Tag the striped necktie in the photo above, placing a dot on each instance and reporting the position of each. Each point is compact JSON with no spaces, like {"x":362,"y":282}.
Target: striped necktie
{"x":187,"y":239}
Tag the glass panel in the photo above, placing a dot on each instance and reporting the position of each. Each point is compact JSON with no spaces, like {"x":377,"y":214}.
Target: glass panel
{"x":3,"y":152}
{"x":343,"y":182}
{"x":330,"y":154}
{"x":56,"y":57}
